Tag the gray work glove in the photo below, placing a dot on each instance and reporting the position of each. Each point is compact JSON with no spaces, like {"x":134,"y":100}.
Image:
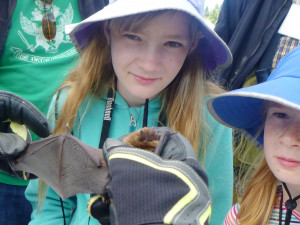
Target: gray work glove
{"x":165,"y":187}
{"x":16,"y":115}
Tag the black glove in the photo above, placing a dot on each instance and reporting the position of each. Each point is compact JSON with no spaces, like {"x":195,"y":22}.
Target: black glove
{"x":16,"y":115}
{"x":146,"y":188}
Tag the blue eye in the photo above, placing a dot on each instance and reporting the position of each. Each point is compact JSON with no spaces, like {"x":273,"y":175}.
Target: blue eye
{"x":174,"y":44}
{"x":281,"y":115}
{"x":131,"y":36}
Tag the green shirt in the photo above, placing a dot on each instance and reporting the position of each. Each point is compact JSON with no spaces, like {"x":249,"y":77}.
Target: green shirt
{"x":31,"y":66}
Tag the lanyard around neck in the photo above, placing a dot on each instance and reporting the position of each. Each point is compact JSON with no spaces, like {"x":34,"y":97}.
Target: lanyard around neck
{"x":109,"y":107}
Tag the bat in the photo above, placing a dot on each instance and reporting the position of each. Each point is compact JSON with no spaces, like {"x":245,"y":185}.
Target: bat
{"x":70,"y":166}
{"x":145,"y":138}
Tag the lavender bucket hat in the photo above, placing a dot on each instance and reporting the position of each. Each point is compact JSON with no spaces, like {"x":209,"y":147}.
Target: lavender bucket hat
{"x":243,"y":109}
{"x":214,"y":52}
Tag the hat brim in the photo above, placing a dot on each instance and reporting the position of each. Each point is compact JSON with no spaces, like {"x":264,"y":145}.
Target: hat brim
{"x":243,"y":109}
{"x":215,"y":52}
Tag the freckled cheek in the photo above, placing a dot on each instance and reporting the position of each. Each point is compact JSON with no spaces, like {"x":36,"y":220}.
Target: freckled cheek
{"x":269,"y":150}
{"x":122,"y":58}
{"x":271,"y":134}
{"x":269,"y":145}
{"x":176,"y":61}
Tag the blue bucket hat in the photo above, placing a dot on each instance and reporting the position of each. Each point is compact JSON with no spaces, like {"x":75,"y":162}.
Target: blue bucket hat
{"x":242,"y":109}
{"x":215,"y":53}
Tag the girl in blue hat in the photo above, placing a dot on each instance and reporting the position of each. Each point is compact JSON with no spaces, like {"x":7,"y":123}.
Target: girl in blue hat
{"x":268,"y":114}
{"x":143,"y":63}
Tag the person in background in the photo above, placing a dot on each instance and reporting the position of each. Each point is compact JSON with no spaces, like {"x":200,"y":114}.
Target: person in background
{"x":259,"y":34}
{"x":148,"y":61}
{"x":269,"y":115}
{"x":35,"y":56}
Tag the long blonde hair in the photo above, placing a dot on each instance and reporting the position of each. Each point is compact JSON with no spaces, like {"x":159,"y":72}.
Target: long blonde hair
{"x":257,"y":183}
{"x":182,"y":101}
{"x":259,"y":198}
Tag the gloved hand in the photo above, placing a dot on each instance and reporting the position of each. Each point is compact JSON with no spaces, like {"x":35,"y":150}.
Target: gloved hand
{"x":165,"y":187}
{"x":16,"y":115}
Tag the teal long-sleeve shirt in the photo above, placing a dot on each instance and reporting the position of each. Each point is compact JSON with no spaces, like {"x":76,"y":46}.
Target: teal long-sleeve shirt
{"x":218,"y":161}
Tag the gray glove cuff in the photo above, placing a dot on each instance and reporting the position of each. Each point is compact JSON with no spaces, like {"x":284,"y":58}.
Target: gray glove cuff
{"x":170,"y":191}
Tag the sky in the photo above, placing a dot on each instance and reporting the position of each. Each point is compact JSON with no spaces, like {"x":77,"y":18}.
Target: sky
{"x":211,"y":3}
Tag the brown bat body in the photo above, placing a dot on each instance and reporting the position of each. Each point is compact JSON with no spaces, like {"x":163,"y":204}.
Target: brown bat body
{"x":145,"y":138}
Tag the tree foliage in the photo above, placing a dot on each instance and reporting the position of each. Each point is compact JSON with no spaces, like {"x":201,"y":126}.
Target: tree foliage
{"x":212,"y":15}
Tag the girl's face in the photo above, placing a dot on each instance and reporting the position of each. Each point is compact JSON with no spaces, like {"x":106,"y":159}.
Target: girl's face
{"x":146,"y":61}
{"x":282,"y":143}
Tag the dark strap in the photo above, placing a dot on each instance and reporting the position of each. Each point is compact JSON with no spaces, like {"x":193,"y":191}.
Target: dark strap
{"x":63,"y":211}
{"x":290,"y":205}
{"x":110,"y":101}
{"x":56,"y":105}
{"x":145,"y":119}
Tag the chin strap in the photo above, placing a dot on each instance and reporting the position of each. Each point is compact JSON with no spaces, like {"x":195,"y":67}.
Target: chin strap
{"x":290,"y":205}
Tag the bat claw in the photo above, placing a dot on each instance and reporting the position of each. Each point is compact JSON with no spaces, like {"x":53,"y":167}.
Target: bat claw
{"x":68,"y":128}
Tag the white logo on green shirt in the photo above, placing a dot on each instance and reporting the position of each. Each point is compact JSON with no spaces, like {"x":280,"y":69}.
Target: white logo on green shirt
{"x":32,"y":27}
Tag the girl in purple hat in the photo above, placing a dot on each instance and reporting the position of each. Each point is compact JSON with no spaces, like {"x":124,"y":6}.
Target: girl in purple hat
{"x":268,"y":114}
{"x":149,"y":62}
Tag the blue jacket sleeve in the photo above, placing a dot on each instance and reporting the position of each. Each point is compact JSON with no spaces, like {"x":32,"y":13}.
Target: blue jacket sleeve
{"x":219,"y":169}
